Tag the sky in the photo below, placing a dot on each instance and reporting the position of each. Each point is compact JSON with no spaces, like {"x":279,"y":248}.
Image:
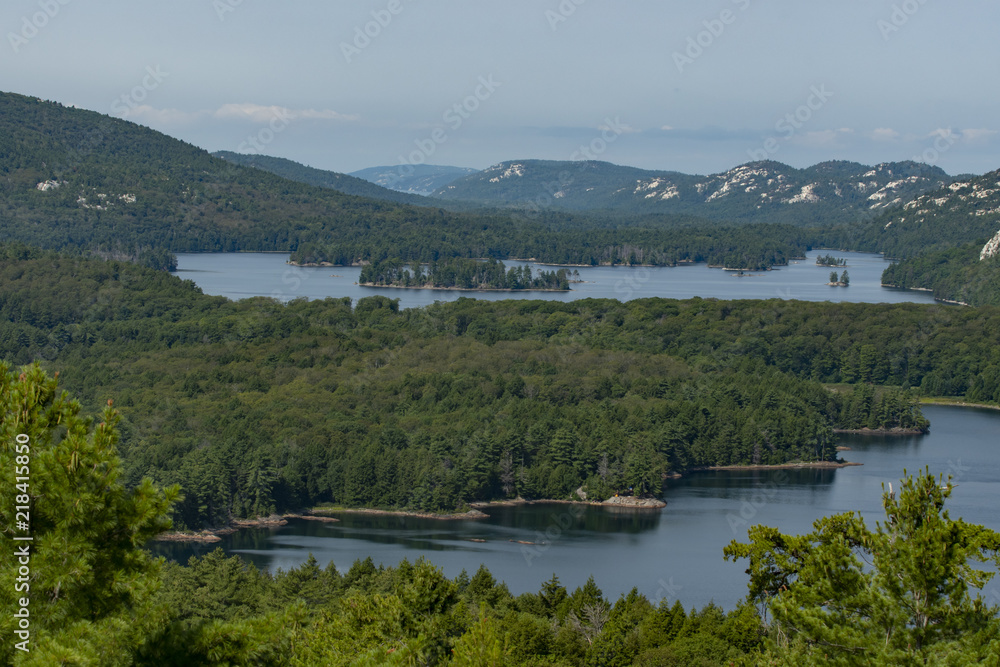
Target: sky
{"x":693,"y":86}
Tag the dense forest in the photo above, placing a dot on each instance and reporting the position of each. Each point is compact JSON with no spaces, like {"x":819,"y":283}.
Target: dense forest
{"x":470,"y":274}
{"x":898,"y":594}
{"x":255,"y":406}
{"x":74,"y":179}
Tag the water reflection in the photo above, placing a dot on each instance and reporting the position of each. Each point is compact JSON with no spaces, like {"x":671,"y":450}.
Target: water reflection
{"x":682,"y":544}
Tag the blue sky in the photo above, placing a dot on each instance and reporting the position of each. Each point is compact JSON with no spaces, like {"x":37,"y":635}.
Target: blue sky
{"x":696,"y":87}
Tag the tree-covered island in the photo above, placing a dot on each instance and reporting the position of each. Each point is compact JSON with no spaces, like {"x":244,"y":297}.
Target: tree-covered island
{"x":465,"y":274}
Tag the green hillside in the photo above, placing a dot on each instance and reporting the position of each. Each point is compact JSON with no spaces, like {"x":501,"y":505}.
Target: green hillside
{"x":321,"y":178}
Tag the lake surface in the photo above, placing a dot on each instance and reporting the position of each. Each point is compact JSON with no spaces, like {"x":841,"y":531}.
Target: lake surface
{"x":241,"y":275}
{"x":675,"y":553}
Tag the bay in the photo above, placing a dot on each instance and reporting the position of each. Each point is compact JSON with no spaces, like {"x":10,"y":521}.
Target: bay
{"x":675,"y":553}
{"x":242,"y":275}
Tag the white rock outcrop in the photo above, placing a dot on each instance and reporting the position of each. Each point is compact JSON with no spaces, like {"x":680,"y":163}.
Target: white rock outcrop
{"x":991,"y":249}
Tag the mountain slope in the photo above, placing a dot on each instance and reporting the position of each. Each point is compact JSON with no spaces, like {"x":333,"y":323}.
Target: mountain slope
{"x":948,"y":241}
{"x":418,"y":179}
{"x":827,"y":193}
{"x":72,"y":178}
{"x":349,"y":185}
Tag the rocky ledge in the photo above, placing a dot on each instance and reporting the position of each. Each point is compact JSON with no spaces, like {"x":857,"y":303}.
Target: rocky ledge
{"x":633,"y":502}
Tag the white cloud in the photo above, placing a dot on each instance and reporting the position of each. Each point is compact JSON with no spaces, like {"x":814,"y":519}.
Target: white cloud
{"x":667,"y":128}
{"x":980,"y":134}
{"x":821,"y":137}
{"x":884,"y":134}
{"x":254,"y":113}
{"x":148,"y":114}
{"x":265,"y":114}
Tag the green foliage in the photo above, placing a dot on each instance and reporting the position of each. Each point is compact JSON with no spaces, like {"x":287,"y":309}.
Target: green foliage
{"x":463,"y":274}
{"x":86,"y":562}
{"x":256,"y":407}
{"x":899,"y":594}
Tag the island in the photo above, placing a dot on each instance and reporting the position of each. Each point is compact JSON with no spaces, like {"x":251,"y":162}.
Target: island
{"x":843,"y":281}
{"x":462,"y":274}
{"x":830,"y":260}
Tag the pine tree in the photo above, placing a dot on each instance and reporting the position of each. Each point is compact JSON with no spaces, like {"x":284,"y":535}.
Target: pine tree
{"x":89,"y":576}
{"x":911,"y":605}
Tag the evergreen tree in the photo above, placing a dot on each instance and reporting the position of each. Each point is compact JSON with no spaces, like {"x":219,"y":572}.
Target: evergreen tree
{"x":90,"y":580}
{"x":899,"y":594}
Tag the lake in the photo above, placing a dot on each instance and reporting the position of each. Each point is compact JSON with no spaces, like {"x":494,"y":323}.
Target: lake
{"x":675,"y":553}
{"x":241,"y":275}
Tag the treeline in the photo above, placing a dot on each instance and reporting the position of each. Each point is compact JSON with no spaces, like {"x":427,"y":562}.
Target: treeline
{"x":752,"y":247}
{"x":464,"y":274}
{"x":956,"y":274}
{"x":370,"y":614}
{"x":255,"y":406}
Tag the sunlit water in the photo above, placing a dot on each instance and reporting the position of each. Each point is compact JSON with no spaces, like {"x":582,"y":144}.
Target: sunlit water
{"x":241,"y":275}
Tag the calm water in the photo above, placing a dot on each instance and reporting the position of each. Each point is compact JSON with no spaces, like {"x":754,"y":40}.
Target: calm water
{"x":675,"y":553}
{"x":241,"y":275}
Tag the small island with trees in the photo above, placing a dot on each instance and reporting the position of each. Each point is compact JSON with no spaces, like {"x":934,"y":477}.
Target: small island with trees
{"x":462,"y":274}
{"x":843,"y":281}
{"x":830,"y":260}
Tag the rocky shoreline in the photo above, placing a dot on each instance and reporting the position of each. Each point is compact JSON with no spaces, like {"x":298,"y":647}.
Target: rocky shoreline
{"x":788,"y":466}
{"x":210,"y":535}
{"x":615,"y":501}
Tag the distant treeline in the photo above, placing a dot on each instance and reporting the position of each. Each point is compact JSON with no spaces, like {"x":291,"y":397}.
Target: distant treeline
{"x":255,"y":406}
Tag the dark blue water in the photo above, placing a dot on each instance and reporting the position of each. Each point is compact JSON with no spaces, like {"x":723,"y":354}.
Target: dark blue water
{"x":240,"y":275}
{"x":675,"y":553}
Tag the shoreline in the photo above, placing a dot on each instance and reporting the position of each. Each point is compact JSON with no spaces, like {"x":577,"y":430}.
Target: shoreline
{"x":621,"y":502}
{"x":464,"y":289}
{"x":209,"y":535}
{"x":784,"y":466}
{"x":454,"y":516}
{"x":957,"y":404}
{"x":880,"y":431}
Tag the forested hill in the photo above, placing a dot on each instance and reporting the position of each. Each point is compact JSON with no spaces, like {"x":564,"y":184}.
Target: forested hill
{"x":349,"y":185}
{"x":71,"y":178}
{"x":824,"y":194}
{"x":942,"y":238}
{"x":254,"y":406}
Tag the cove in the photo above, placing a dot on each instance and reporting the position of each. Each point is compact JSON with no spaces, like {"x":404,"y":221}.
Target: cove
{"x":674,"y":553}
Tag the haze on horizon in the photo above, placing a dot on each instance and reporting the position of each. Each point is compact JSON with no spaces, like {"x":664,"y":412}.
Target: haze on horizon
{"x":692,"y":87}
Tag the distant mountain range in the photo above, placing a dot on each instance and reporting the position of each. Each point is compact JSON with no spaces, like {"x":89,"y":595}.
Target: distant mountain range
{"x":827,"y":193}
{"x":332,"y":180}
{"x":422,"y":179}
